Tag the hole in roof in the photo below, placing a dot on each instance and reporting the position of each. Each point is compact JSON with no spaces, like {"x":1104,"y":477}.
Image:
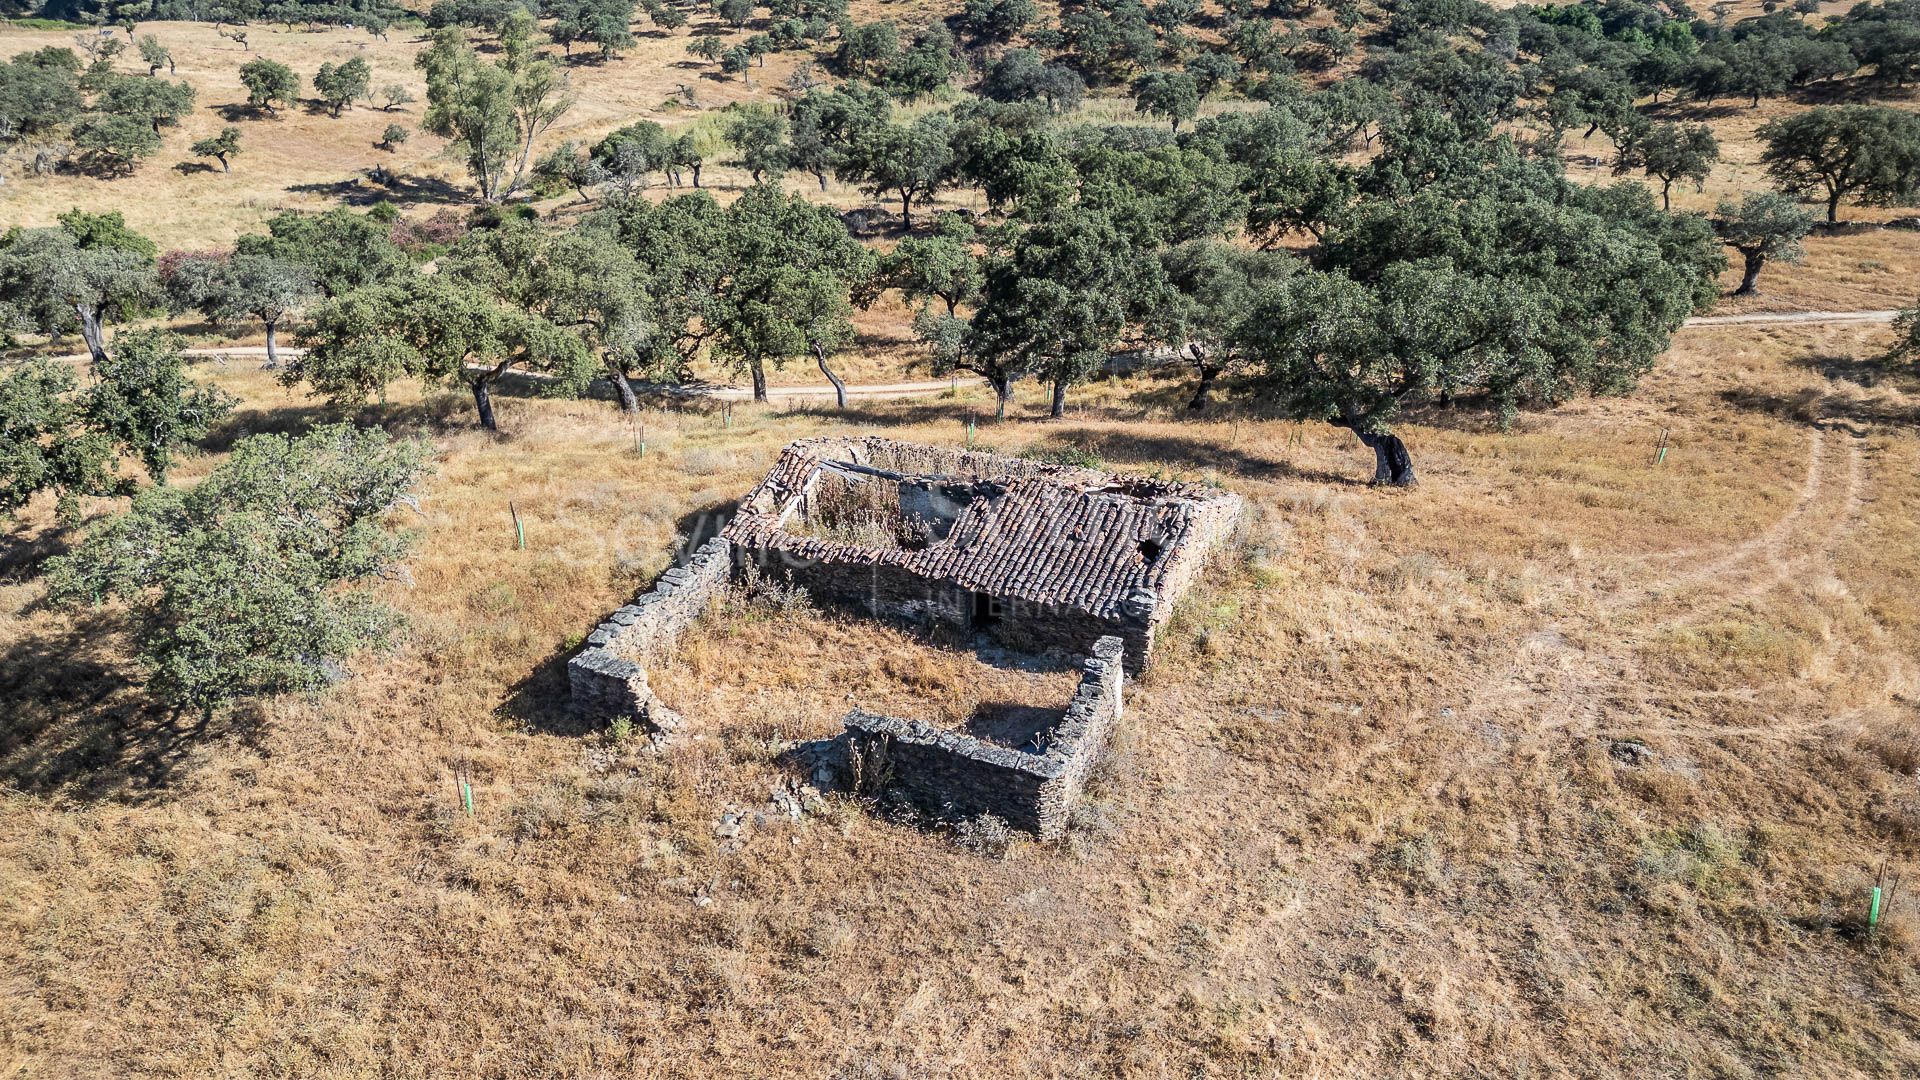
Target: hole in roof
{"x":1150,"y":551}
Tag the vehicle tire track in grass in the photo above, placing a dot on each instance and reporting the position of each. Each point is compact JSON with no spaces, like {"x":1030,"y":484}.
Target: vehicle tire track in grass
{"x":1559,"y":684}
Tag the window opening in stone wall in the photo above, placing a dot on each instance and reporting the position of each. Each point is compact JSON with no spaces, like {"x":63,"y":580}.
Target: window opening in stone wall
{"x":987,"y":610}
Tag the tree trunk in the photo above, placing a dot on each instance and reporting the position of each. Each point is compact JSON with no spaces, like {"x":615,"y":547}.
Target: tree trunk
{"x":1392,"y":465}
{"x":629,"y":404}
{"x":273,"y":356}
{"x":1002,"y":393}
{"x":483,"y":401}
{"x":1201,"y":392}
{"x":759,"y":380}
{"x":1058,"y":410}
{"x":696,"y":174}
{"x":822,"y":177}
{"x":1750,"y":281}
{"x":839,"y":385}
{"x":1666,"y":195}
{"x":906,"y":209}
{"x":1833,"y":207}
{"x":92,"y":332}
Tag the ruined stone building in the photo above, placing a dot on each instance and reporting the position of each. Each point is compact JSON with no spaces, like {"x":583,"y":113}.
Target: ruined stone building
{"x":1044,"y":558}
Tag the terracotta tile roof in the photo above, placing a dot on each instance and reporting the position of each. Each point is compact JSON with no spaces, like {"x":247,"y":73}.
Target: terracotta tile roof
{"x":1041,"y":533}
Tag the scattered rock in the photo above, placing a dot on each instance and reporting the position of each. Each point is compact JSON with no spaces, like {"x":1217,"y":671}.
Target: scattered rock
{"x":1631,"y":753}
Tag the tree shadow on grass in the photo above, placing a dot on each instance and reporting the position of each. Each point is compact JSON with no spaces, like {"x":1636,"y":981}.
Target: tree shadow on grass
{"x":22,"y":553}
{"x":1857,"y":91}
{"x":1136,"y":449}
{"x":1119,"y":449}
{"x":1701,"y":111}
{"x":1818,"y":407}
{"x":1869,"y":371}
{"x":435,"y":415}
{"x":878,"y":412}
{"x":236,"y":111}
{"x":75,"y":725}
{"x":397,"y":188}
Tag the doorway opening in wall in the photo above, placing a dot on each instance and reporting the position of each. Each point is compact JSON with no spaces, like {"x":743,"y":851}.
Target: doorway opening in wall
{"x":987,"y":611}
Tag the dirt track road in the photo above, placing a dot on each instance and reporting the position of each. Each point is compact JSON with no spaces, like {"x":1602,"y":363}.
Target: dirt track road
{"x":935,"y":386}
{"x":1763,"y":318}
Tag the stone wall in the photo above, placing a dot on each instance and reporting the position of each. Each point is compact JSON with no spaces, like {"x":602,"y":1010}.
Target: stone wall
{"x":608,"y":678}
{"x":952,"y":773}
{"x":897,"y":594}
{"x":1042,"y":558}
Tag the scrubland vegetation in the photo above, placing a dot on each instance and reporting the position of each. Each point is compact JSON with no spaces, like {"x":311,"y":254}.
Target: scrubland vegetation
{"x":1579,"y":757}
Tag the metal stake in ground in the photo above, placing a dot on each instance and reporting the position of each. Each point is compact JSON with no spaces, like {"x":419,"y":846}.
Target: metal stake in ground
{"x":519,"y":530}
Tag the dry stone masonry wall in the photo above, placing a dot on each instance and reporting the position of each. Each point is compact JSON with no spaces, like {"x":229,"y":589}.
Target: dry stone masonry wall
{"x":608,"y":678}
{"x":1042,"y":558}
{"x":950,"y":772}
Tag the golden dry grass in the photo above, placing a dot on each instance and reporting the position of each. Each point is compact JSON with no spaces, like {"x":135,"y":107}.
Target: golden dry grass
{"x":1377,"y":809}
{"x":305,"y":159}
{"x":1563,"y":764}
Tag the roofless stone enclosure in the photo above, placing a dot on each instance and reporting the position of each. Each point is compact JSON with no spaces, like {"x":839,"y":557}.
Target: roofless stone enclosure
{"x":1022,"y":765}
{"x":1044,"y":559}
{"x":608,"y":678}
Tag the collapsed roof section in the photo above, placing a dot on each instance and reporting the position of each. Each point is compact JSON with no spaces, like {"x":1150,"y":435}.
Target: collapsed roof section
{"x":1117,"y":548}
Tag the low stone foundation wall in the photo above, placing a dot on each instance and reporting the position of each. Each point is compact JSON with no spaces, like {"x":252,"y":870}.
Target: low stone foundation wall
{"x":950,"y":772}
{"x":608,"y":678}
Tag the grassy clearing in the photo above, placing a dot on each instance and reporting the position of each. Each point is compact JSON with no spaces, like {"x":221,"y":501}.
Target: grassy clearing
{"x":1418,"y":784}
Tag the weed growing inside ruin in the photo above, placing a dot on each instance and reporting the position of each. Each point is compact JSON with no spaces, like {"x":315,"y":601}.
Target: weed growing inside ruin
{"x":985,"y":835}
{"x":1078,"y":457}
{"x":757,"y":592}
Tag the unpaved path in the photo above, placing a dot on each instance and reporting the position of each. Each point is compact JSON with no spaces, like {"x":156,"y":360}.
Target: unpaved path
{"x":920,"y":388}
{"x":1764,"y":317}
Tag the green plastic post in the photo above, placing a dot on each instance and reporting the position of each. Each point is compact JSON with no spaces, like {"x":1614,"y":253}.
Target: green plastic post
{"x":1873,"y":911}
{"x":466,"y":796}
{"x":519,"y":529}
{"x":1662,"y":459}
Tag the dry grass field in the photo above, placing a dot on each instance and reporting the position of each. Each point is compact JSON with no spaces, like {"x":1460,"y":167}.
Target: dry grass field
{"x":1563,"y":764}
{"x":1566,"y":763}
{"x":305,"y":159}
